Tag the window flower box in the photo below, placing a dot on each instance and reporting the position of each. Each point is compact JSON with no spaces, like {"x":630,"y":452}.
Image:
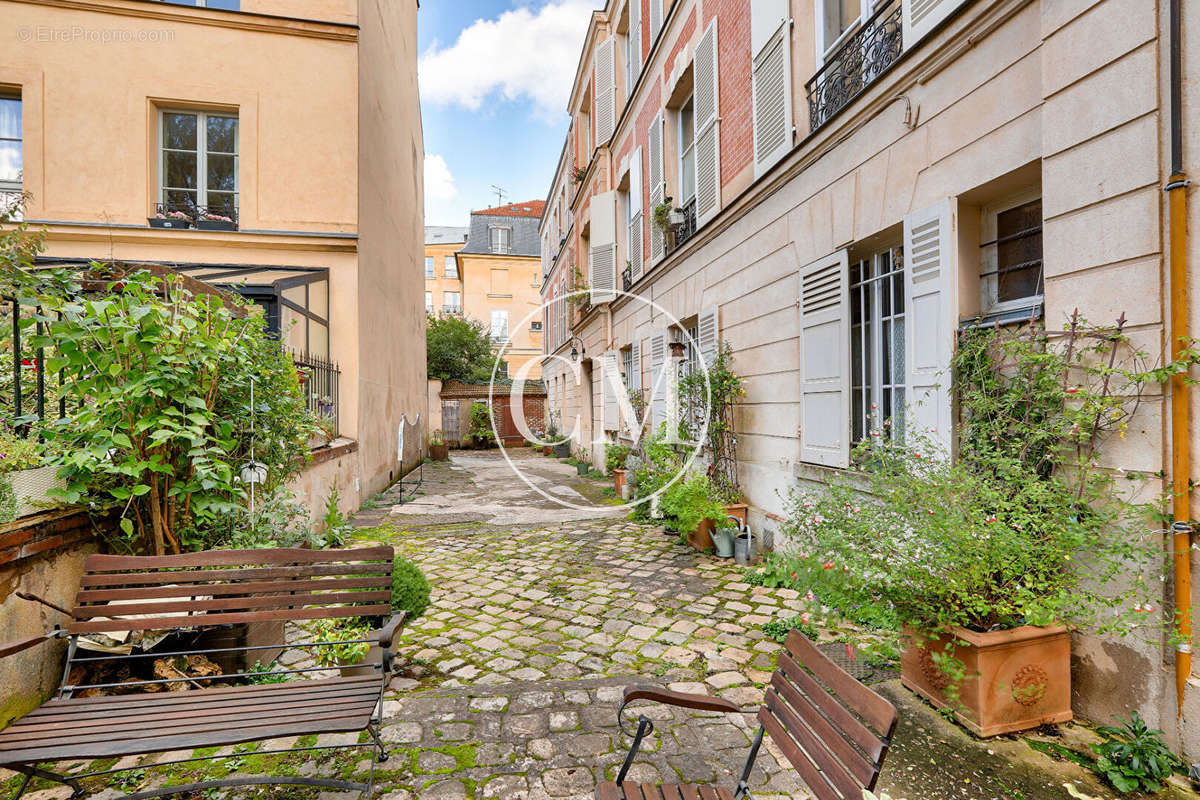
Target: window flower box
{"x":215,"y":222}
{"x":172,"y":219}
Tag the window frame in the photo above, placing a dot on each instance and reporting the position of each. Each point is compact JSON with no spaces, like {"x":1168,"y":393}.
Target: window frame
{"x":456,"y":305}
{"x":825,"y":49}
{"x":429,"y":302}
{"x":507,"y":246}
{"x":11,"y":190}
{"x":499,"y":338}
{"x":867,"y":398}
{"x":686,"y":150}
{"x":989,"y":262}
{"x":450,"y":267}
{"x":430,"y":272}
{"x":202,"y":154}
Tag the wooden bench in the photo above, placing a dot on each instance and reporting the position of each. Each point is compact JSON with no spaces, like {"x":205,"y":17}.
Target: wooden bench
{"x":183,"y":594}
{"x":832,"y":729}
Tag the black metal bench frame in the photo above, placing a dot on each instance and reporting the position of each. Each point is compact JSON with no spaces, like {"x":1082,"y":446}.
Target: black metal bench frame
{"x":266,"y":576}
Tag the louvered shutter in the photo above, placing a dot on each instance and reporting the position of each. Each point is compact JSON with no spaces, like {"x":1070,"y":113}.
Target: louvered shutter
{"x":770,"y":43}
{"x":635,"y":367}
{"x":635,"y":215}
{"x":708,"y":336}
{"x":658,"y":381}
{"x":824,"y":362}
{"x":919,"y":17}
{"x":656,"y":19}
{"x":930,"y":290}
{"x":708,"y":143}
{"x":658,"y":189}
{"x":633,"y":55}
{"x":602,"y":248}
{"x":610,"y":377}
{"x":606,"y":90}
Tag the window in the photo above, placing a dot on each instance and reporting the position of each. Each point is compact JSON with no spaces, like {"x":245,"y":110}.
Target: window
{"x":199,"y":162}
{"x":499,"y":239}
{"x":839,"y":16}
{"x":226,"y":5}
{"x":1011,"y":273}
{"x":429,"y":268}
{"x":429,"y":302}
{"x":11,"y":149}
{"x":452,"y":302}
{"x":877,"y":374}
{"x":627,"y":365}
{"x":535,"y":326}
{"x":687,"y":153}
{"x":451,"y":267}
{"x":499,"y":325}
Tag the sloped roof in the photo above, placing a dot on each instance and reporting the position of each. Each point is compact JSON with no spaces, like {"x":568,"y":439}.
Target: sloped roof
{"x":524,"y":240}
{"x":530,"y":208}
{"x":445,"y":234}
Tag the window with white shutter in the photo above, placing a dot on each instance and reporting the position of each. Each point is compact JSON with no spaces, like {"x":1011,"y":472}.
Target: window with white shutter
{"x":658,"y":380}
{"x":602,"y":248}
{"x":634,"y":375}
{"x":708,"y":143}
{"x":606,"y":90}
{"x":919,"y":17}
{"x":824,"y":362}
{"x":633,"y":48}
{"x":658,"y":189}
{"x":931,"y":286}
{"x":708,"y":339}
{"x":634,"y":221}
{"x":771,"y":51}
{"x":656,"y":19}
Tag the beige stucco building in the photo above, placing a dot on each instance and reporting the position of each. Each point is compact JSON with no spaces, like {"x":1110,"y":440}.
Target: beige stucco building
{"x":443,"y":283}
{"x":501,"y":276}
{"x":290,"y":130}
{"x":826,"y":154}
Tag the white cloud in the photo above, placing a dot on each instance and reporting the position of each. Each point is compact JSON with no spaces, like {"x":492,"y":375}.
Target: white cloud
{"x":522,"y":54}
{"x":443,"y":206}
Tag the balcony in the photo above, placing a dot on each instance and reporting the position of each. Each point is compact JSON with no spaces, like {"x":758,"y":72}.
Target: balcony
{"x":861,"y":58}
{"x":683,"y":226}
{"x":451,"y":309}
{"x":627,"y":279}
{"x":319,"y":379}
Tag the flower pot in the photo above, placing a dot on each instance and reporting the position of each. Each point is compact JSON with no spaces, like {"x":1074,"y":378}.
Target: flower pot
{"x":439,"y":452}
{"x":215,"y":225}
{"x":582,"y":468}
{"x":723,"y":540}
{"x":169,"y":222}
{"x":1013,"y":680}
{"x":562,"y":450}
{"x":30,"y":487}
{"x":701,"y":537}
{"x":739,"y":511}
{"x":619,"y":482}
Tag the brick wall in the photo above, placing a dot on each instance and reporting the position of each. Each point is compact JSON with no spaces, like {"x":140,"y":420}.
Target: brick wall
{"x":734,"y":65}
{"x":29,"y":536}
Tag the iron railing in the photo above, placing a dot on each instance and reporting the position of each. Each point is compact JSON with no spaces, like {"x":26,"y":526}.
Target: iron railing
{"x":451,"y":309}
{"x":627,"y":279}
{"x":864,"y":56}
{"x":684,"y":230}
{"x":26,"y":394}
{"x":319,"y":381}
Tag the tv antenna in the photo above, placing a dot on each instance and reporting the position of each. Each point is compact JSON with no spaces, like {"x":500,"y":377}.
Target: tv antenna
{"x":499,"y":194}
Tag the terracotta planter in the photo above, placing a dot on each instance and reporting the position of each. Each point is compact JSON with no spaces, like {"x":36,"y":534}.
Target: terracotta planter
{"x":701,"y":538}
{"x":439,"y":452}
{"x":619,"y":481}
{"x":738,"y":510}
{"x":1014,"y":680}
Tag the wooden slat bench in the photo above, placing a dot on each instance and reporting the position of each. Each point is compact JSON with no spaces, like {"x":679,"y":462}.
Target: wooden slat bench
{"x":184,"y":593}
{"x":833,"y":730}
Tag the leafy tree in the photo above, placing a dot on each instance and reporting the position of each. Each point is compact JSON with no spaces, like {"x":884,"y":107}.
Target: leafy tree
{"x":458,"y":349}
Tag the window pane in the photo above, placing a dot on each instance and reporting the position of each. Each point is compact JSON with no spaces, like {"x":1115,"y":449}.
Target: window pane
{"x":227,"y":5}
{"x":10,"y":161}
{"x":223,"y":203}
{"x":179,"y":131}
{"x":222,"y":134}
{"x":179,"y":170}
{"x":687,"y":124}
{"x":687,"y":176}
{"x":10,"y":118}
{"x":222,"y":173}
{"x":898,"y":365}
{"x":179,"y":199}
{"x":1019,"y":252}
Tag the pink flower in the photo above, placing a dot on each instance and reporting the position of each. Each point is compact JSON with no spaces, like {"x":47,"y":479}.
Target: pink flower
{"x":828,"y":565}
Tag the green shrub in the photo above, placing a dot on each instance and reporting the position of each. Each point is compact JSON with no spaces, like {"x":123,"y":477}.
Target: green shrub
{"x":336,"y":527}
{"x":481,"y":424}
{"x":691,"y":501}
{"x":348,"y":633}
{"x":1134,"y":757}
{"x":410,"y":589}
{"x":614,"y":456}
{"x":778,"y":629}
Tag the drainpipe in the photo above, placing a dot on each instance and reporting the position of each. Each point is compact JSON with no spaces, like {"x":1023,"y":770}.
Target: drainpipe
{"x":1181,"y":529}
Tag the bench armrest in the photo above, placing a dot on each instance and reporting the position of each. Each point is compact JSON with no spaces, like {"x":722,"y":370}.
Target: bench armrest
{"x":702,"y":702}
{"x":389,"y":631}
{"x":17,"y":645}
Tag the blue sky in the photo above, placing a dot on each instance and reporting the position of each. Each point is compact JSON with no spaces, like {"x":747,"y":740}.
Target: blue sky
{"x":495,"y":76}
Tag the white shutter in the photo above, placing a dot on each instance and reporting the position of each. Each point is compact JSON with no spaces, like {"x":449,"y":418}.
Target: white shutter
{"x":610,"y":371}
{"x":708,"y":143}
{"x":658,"y":189}
{"x":930,"y":313}
{"x":635,"y":367}
{"x":825,"y":361}
{"x":656,"y":19}
{"x":771,"y":50}
{"x":633,"y":54}
{"x":606,"y":90}
{"x":708,"y":336}
{"x":602,"y":248}
{"x":919,"y":17}
{"x":635,"y":215}
{"x":658,"y":382}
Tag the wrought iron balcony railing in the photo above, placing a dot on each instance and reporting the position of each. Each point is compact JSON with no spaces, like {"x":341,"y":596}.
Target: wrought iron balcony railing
{"x":319,"y":378}
{"x":864,"y":56}
{"x":627,"y":279}
{"x":451,"y":309}
{"x":683,"y":230}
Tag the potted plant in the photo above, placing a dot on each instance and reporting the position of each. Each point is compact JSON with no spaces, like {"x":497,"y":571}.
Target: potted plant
{"x":661,"y":215}
{"x":170,"y":219}
{"x":213,"y":221}
{"x":350,"y":648}
{"x":694,"y":509}
{"x":583,"y":465}
{"x":988,"y":562}
{"x":614,"y":463}
{"x":438,"y":449}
